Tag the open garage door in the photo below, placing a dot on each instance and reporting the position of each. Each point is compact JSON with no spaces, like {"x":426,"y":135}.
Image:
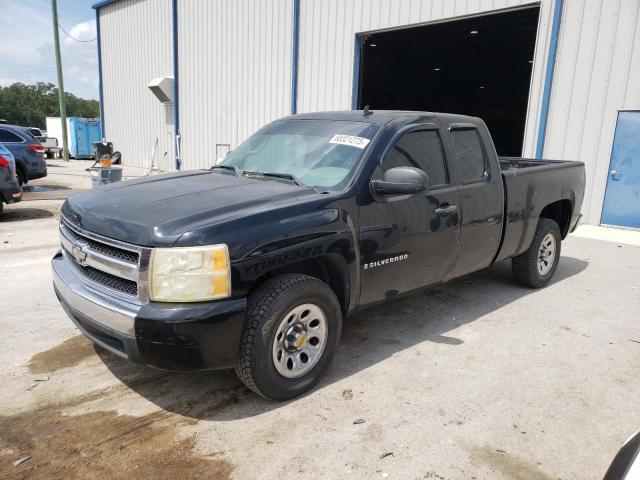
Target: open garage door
{"x":478,"y":66}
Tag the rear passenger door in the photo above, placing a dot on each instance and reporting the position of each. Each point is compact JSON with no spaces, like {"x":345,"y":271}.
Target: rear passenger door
{"x":410,"y":241}
{"x":481,"y":198}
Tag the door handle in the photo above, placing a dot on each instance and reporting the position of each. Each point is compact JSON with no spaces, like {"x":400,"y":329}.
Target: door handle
{"x":615,"y":175}
{"x":446,"y":209}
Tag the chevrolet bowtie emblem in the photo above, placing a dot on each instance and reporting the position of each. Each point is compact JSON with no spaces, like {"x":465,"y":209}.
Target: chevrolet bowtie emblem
{"x":79,"y":254}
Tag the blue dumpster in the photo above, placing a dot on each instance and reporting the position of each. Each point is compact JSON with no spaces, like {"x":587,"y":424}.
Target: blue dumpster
{"x":83,"y":132}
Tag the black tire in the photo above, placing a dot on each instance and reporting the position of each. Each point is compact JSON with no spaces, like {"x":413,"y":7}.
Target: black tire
{"x":267,"y":308}
{"x":525,"y":266}
{"x":22,"y":178}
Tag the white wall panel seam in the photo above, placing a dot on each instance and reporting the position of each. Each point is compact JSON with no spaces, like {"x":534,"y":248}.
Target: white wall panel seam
{"x":131,"y":58}
{"x":590,"y":211}
{"x":572,"y":92}
{"x":630,"y":57}
{"x":588,"y":86}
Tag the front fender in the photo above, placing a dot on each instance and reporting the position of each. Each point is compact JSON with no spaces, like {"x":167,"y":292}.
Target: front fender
{"x":320,"y":243}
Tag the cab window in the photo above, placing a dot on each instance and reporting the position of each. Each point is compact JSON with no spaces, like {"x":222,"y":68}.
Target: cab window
{"x":470,"y":157}
{"x":420,"y":149}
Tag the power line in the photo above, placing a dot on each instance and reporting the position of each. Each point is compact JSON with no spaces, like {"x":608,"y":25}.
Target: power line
{"x":76,"y":39}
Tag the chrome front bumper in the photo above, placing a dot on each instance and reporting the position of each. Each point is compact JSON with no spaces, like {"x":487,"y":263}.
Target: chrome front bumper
{"x":199,"y":336}
{"x":109,"y":312}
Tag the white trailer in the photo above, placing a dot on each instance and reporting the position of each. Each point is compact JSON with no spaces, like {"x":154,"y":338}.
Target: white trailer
{"x":54,"y":128}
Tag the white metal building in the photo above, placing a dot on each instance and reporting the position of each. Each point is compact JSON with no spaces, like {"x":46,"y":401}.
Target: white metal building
{"x":550,"y":78}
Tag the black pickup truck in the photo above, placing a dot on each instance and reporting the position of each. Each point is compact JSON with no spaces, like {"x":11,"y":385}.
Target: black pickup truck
{"x":256,"y":262}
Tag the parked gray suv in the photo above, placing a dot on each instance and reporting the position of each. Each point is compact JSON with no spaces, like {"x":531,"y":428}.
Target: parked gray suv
{"x":10,"y":191}
{"x":27,"y":150}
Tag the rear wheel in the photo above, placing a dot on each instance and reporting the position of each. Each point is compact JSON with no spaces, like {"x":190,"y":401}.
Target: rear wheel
{"x":22,"y":179}
{"x":535,"y":267}
{"x":291,"y":332}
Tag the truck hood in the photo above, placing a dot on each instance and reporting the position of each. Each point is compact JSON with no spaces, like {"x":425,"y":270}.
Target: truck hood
{"x":157,"y":210}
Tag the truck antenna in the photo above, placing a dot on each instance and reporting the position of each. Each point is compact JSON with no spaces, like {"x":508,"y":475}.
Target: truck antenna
{"x":367,"y":112}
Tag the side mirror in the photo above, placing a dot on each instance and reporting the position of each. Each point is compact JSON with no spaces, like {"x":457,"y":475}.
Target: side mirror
{"x":400,"y":181}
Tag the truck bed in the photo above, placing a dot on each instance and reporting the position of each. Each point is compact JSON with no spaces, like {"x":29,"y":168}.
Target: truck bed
{"x":530,"y":185}
{"x":517,"y":163}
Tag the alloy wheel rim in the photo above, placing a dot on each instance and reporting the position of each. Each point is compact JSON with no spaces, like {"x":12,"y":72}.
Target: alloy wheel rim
{"x":546,"y":254}
{"x":299,"y":340}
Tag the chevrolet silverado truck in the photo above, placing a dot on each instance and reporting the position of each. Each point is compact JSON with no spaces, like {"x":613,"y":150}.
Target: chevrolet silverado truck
{"x":254,"y":263}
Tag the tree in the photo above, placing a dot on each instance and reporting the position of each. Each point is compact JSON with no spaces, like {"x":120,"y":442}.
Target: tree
{"x":29,"y":105}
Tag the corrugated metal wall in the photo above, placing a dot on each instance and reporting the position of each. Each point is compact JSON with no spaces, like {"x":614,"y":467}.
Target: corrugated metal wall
{"x":327,"y":42}
{"x":597,"y":70}
{"x":328,"y":27}
{"x":136,"y":45}
{"x":597,"y":74}
{"x":235,"y":72}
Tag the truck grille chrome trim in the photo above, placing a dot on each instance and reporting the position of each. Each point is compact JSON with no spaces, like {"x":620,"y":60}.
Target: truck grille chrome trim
{"x":121,"y":267}
{"x":114,"y":314}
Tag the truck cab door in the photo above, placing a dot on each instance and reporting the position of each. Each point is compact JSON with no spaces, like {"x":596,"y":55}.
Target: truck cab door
{"x":481,"y":197}
{"x":409,"y":241}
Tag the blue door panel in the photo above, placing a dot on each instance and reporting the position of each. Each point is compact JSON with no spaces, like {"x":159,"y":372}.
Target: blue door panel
{"x":622,"y":197}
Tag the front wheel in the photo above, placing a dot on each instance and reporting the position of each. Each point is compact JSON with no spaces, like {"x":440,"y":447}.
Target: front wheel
{"x":291,"y":332}
{"x":535,"y":267}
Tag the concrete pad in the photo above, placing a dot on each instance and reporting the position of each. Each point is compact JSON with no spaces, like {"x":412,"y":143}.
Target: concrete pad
{"x":475,"y":379}
{"x":609,"y":234}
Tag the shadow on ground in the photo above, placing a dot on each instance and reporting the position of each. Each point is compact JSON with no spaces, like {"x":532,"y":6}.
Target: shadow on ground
{"x":368,"y":338}
{"x":44,"y":188}
{"x":21,"y":214}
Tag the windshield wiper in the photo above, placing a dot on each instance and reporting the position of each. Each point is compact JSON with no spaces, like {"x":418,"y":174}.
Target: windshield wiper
{"x":284,"y":176}
{"x":233,"y":168}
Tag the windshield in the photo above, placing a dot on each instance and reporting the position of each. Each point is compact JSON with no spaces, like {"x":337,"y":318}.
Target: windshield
{"x":319,"y":153}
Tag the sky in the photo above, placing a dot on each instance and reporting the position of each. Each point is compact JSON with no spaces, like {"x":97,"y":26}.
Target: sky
{"x":26,"y":44}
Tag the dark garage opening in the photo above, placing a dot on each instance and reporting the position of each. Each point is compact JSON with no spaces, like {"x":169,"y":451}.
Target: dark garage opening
{"x":478,"y":66}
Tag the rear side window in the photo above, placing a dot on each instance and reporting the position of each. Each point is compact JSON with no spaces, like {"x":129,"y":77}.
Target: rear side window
{"x":469,"y":155}
{"x":420,"y":149}
{"x":7,"y":136}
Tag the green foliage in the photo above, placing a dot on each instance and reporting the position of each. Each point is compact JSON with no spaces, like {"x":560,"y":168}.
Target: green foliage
{"x":28,"y":105}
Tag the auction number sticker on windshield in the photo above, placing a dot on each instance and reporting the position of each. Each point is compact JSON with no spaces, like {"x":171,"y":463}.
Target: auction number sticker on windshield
{"x":350,"y":140}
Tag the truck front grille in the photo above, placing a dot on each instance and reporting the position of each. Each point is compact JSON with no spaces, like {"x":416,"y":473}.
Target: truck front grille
{"x":110,"y":281}
{"x":115,"y":265}
{"x":108,"y":250}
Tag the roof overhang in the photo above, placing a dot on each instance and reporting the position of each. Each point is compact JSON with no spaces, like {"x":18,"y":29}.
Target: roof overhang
{"x":103,"y":3}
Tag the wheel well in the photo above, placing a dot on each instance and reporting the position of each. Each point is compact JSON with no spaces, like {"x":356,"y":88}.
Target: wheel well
{"x":559,"y":211}
{"x":330,"y":268}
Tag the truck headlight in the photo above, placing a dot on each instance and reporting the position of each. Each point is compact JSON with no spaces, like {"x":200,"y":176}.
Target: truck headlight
{"x":189,"y":274}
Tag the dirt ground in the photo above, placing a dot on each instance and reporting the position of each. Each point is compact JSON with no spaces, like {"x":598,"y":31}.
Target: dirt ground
{"x":476,"y":379}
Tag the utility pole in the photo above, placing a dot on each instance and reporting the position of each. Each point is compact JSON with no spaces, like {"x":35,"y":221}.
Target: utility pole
{"x":63,"y":108}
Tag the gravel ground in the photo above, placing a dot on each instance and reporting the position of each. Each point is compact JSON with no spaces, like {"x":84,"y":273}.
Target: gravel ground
{"x":475,"y":379}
